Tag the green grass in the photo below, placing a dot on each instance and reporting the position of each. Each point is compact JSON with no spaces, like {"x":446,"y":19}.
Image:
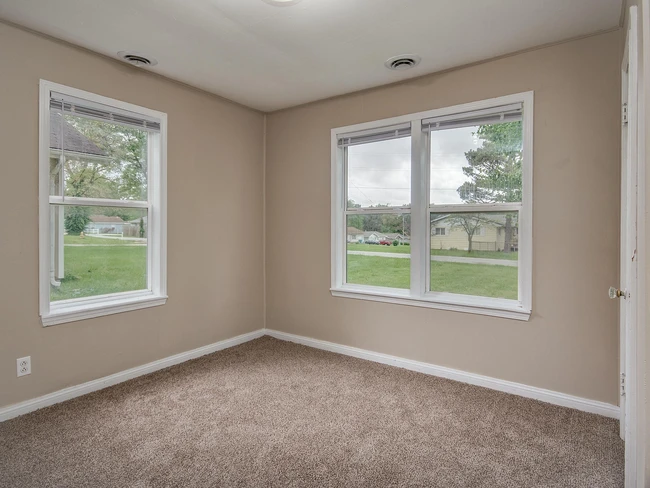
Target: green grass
{"x":513,"y":256}
{"x":434,"y":252}
{"x":378,"y":248}
{"x":87,"y":240}
{"x":485,"y":280}
{"x":97,"y":270}
{"x":469,"y":279}
{"x":91,"y":271}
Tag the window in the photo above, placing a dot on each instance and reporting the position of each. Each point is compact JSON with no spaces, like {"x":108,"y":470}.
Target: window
{"x":102,"y":205}
{"x":434,"y":209}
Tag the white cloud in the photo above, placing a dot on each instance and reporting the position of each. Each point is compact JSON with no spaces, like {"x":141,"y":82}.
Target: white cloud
{"x":380,"y":172}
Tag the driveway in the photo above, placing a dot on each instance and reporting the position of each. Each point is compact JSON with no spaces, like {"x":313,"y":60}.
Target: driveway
{"x":444,"y":259}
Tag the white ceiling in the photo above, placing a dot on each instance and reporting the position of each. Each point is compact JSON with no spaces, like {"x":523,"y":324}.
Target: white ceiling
{"x":270,"y":57}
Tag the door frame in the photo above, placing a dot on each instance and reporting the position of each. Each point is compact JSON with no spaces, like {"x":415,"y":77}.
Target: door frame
{"x":641,"y":428}
{"x":632,"y":252}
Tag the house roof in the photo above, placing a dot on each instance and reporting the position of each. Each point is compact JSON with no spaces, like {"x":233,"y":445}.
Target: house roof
{"x":354,"y":230}
{"x":73,"y":140}
{"x":105,"y":219}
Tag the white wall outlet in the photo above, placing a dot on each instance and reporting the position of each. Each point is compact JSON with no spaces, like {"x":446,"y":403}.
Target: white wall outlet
{"x":24,"y":366}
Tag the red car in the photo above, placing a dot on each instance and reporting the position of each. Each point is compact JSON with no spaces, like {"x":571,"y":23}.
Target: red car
{"x":385,"y":242}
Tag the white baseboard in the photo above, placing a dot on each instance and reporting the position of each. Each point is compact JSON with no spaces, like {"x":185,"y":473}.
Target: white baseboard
{"x":22,"y":408}
{"x":548,"y":396}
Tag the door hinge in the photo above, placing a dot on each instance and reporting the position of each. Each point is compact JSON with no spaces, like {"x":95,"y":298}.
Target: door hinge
{"x":622,"y":384}
{"x":624,"y":114}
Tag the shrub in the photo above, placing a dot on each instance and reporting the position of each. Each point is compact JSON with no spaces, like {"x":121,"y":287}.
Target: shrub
{"x":76,"y":219}
{"x":395,"y":242}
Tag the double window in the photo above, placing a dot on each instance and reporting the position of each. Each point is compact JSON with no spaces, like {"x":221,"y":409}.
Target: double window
{"x":449,"y":195}
{"x":102,"y":205}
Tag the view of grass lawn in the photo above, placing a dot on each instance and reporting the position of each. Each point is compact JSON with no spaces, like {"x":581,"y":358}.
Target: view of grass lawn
{"x":353,"y":246}
{"x":469,"y":279}
{"x":97,"y":266}
{"x":97,"y":270}
{"x":90,"y":240}
{"x":434,"y":252}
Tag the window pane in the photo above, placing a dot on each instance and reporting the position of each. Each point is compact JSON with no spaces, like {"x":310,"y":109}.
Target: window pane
{"x":379,"y":174}
{"x":97,"y":251}
{"x":480,"y":164}
{"x":378,"y":250}
{"x":475,"y":253}
{"x":101,"y":160}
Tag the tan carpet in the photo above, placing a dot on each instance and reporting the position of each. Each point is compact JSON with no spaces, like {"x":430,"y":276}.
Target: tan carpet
{"x":270,"y":413}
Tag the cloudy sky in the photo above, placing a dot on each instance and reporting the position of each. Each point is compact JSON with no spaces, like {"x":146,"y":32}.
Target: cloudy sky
{"x":380,"y":172}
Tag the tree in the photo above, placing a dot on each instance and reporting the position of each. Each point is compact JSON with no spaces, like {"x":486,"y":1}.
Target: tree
{"x":373,"y":222}
{"x":141,"y":227}
{"x":355,"y":221}
{"x":121,"y":175}
{"x":494,"y":173}
{"x":76,"y":219}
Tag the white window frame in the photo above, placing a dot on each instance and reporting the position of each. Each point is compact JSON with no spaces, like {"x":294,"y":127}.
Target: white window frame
{"x":418,"y":295}
{"x":84,"y":308}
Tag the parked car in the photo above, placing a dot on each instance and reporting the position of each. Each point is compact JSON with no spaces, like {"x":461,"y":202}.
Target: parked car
{"x":386,"y":242}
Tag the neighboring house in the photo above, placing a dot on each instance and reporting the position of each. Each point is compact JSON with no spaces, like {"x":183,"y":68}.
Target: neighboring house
{"x":355,"y":235}
{"x":65,"y":142}
{"x":132,"y":227}
{"x":372,"y":236}
{"x":397,"y":237}
{"x":102,"y":224}
{"x":447,"y":233}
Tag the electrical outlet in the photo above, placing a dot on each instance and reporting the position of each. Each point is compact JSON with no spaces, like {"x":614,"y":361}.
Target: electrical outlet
{"x":24,"y":366}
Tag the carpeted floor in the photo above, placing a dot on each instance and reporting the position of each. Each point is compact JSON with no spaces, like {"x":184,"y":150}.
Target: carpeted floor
{"x":270,"y":413}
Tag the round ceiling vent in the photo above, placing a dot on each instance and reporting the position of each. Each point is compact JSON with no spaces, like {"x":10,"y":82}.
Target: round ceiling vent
{"x":137,"y":59}
{"x":403,"y":62}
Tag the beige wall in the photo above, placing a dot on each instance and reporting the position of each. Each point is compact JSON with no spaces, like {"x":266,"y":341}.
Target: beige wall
{"x":571,"y":342}
{"x":215,"y":175}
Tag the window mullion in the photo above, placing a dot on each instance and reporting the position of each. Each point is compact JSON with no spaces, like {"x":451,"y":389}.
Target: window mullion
{"x":476,"y":207}
{"x":418,"y":209}
{"x":96,"y":202}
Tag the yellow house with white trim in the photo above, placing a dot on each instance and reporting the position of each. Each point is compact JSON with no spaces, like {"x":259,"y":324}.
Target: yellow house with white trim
{"x":488,"y":236}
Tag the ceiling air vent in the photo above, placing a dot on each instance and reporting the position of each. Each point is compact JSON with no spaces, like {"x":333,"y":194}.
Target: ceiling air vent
{"x":405,"y":61}
{"x":137,"y":59}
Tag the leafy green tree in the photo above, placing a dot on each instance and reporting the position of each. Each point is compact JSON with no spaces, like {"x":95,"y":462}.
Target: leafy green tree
{"x":386,"y":223}
{"x":494,"y":172}
{"x":355,"y":221}
{"x":122,"y":174}
{"x":76,"y":219}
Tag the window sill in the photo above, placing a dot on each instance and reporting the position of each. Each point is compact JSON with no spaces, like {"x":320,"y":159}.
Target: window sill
{"x":495,"y":307}
{"x":74,"y":310}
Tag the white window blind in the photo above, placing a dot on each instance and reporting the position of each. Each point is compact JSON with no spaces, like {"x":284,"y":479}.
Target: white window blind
{"x":505,"y":113}
{"x":374,"y":135}
{"x":83,"y":108}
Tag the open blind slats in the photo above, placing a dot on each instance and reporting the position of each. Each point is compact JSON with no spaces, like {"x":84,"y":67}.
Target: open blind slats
{"x":496,"y":115}
{"x":83,"y":108}
{"x":374,"y":135}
